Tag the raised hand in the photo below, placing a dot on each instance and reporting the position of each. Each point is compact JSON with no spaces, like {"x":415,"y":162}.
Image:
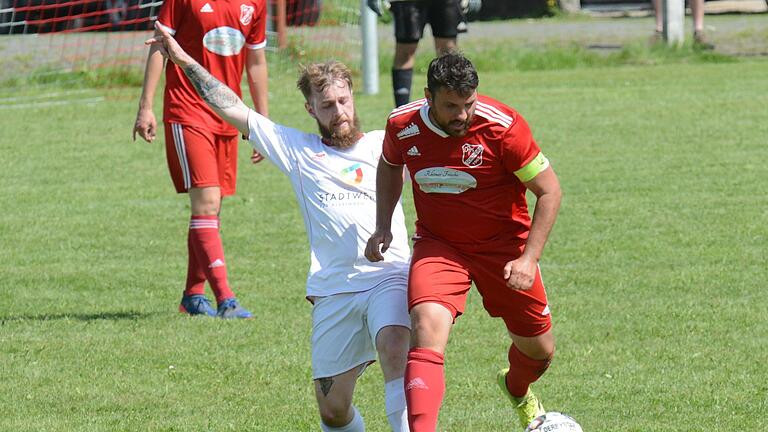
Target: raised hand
{"x":169,"y":47}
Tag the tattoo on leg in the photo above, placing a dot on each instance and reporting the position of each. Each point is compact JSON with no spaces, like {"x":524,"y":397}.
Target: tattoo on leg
{"x":209,"y":88}
{"x":325,"y":385}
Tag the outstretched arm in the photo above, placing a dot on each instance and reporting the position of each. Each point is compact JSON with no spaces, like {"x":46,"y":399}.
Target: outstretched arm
{"x":256,"y":69}
{"x":217,"y":95}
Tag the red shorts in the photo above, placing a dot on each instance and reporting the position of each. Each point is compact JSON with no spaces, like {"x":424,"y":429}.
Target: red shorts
{"x":443,"y":274}
{"x":198,"y":158}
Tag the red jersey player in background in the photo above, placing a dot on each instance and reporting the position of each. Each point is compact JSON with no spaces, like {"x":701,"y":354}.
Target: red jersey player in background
{"x":471,"y":160}
{"x":225,"y":37}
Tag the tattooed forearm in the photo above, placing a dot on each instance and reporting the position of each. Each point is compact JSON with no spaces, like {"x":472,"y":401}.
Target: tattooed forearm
{"x":325,"y":385}
{"x":210,"y":89}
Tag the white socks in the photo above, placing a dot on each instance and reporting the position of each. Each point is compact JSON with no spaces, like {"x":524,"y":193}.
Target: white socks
{"x":356,"y":425}
{"x":394,"y":402}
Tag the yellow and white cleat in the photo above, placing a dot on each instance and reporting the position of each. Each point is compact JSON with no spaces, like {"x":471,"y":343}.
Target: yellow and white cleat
{"x":528,"y":407}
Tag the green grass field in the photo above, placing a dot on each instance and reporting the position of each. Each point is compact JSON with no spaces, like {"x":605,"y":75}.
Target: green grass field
{"x":656,"y":270}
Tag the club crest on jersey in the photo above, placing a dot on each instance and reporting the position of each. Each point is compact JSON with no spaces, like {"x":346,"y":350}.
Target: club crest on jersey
{"x":472,"y":155}
{"x":246,"y":14}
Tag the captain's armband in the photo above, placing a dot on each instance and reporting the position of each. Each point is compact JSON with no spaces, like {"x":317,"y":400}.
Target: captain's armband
{"x":533,"y":168}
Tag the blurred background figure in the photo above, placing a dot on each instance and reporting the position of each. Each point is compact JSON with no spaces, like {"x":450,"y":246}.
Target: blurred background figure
{"x":697,"y":11}
{"x":446,"y":18}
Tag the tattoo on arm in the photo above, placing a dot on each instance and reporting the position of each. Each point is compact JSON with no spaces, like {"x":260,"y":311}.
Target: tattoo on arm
{"x":325,"y":385}
{"x":210,"y":89}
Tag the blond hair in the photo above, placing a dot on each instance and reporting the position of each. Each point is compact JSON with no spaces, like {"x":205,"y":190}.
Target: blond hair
{"x":316,"y":77}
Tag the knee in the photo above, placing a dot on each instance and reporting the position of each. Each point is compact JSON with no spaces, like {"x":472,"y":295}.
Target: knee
{"x":205,"y":207}
{"x":538,"y":356}
{"x":431,"y":324}
{"x":205,"y":201}
{"x":544,"y":352}
{"x":392,"y":345}
{"x":335,"y":413}
{"x":404,"y":55}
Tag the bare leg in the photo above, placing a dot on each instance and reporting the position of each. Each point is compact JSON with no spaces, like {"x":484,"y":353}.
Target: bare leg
{"x":405,"y":55}
{"x":659,"y":14}
{"x":697,"y":10}
{"x":205,"y":201}
{"x":392,"y":346}
{"x":334,"y":398}
{"x":444,"y":45}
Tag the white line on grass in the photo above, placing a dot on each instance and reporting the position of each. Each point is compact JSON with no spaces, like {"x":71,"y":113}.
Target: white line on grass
{"x":45,"y":95}
{"x":89,"y":101}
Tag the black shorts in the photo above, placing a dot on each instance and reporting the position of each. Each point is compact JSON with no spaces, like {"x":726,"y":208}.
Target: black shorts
{"x":443,"y":16}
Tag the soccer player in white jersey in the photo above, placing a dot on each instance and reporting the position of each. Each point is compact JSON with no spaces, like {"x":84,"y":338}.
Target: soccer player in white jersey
{"x":359,"y":307}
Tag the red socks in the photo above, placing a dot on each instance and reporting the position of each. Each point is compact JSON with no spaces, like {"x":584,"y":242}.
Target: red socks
{"x":425,"y":383}
{"x":195,"y":276}
{"x":205,"y":245}
{"x":523,"y":371}
{"x":424,"y":388}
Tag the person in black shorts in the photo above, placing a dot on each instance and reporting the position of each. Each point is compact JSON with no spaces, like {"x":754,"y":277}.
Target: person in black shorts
{"x":445,"y":18}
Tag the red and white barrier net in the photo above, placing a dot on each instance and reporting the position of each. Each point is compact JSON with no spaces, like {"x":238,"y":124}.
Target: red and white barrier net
{"x":66,"y":35}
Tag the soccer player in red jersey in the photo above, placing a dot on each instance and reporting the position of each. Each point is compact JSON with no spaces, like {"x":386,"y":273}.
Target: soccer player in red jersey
{"x":225,"y":37}
{"x":471,"y":160}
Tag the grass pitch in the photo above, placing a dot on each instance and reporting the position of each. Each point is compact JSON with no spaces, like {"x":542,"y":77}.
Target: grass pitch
{"x":656,"y":269}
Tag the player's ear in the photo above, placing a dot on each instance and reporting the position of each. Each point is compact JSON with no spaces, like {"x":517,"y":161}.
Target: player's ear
{"x":428,"y":96}
{"x":309,"y":109}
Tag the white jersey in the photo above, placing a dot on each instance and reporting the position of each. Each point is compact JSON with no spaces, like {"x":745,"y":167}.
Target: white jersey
{"x":336,"y":193}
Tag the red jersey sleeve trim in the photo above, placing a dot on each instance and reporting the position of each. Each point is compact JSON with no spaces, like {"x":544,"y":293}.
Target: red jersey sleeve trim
{"x":259,"y":45}
{"x":390,"y":163}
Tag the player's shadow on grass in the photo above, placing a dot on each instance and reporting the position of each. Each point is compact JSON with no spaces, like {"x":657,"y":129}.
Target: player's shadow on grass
{"x":107,"y":316}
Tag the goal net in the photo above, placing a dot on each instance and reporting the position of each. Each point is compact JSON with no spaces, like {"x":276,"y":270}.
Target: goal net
{"x":40,"y":38}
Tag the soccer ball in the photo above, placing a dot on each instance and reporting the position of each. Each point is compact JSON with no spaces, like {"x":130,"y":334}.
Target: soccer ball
{"x":553,"y":422}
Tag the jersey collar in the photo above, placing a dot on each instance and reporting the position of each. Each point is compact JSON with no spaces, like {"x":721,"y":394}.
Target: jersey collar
{"x":424,"y":112}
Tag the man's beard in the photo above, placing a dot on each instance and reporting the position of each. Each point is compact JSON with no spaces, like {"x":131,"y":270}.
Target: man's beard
{"x":341,"y":140}
{"x":455,"y":132}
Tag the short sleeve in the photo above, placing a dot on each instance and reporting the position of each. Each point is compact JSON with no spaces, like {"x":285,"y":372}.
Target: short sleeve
{"x":522,"y":156}
{"x":257,"y":38}
{"x":273,"y":140}
{"x":376,"y":143}
{"x":390,"y":151}
{"x":171,"y":13}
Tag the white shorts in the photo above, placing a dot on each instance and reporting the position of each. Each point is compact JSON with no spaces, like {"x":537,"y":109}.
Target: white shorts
{"x":344,"y":326}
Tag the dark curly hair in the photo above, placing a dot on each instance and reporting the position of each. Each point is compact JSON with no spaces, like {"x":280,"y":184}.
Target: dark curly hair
{"x":454,"y":72}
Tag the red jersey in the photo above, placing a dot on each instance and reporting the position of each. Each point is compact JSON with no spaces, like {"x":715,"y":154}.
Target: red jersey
{"x":467,"y":189}
{"x":213,"y":32}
